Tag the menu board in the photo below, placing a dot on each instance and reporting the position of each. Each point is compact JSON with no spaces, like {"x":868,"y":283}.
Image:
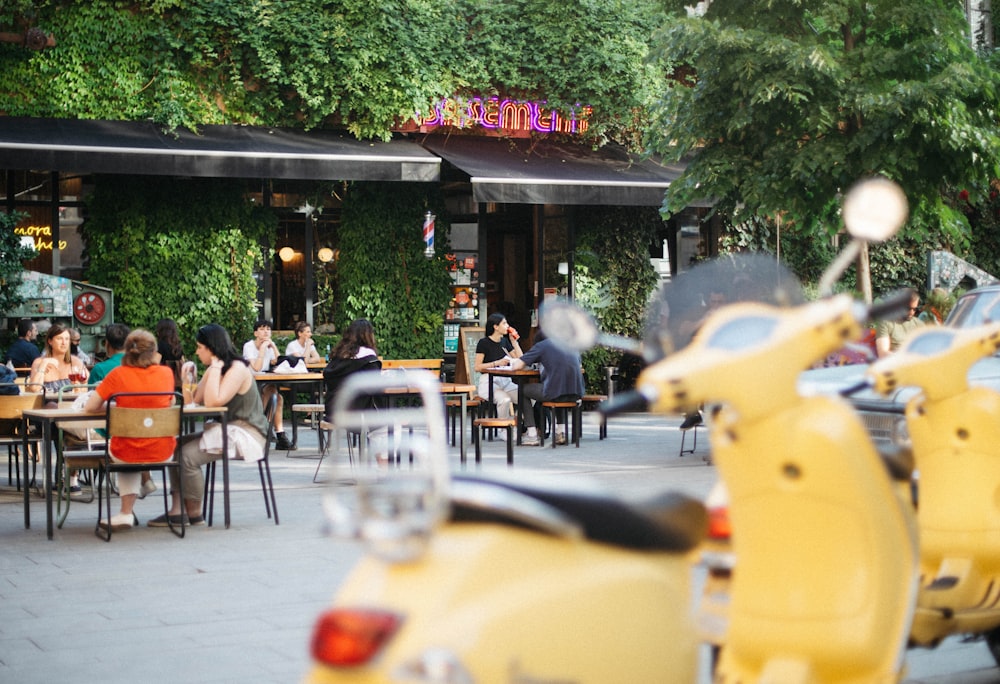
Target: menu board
{"x":465,"y":362}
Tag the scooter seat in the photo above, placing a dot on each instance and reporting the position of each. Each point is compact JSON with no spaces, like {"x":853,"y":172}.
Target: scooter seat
{"x":667,"y":522}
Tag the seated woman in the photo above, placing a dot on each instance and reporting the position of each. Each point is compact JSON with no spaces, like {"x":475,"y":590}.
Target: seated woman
{"x":498,"y":348}
{"x":56,"y":367}
{"x":140,"y":371}
{"x":303,"y":346}
{"x":354,"y":353}
{"x":228,"y":381}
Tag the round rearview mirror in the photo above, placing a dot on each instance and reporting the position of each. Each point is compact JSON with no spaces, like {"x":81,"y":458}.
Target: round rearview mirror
{"x":568,"y":325}
{"x":874,"y":209}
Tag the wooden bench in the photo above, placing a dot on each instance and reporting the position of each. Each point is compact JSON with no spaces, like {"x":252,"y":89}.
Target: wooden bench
{"x":566,"y":409}
{"x":413,"y":364}
{"x":598,"y":399}
{"x":480,"y":425}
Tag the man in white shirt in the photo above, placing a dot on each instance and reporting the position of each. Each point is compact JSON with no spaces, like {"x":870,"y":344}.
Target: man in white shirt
{"x":260,"y":353}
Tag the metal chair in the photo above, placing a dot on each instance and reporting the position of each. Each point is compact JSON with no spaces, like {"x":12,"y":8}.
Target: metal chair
{"x":263,"y":467}
{"x":133,"y":423}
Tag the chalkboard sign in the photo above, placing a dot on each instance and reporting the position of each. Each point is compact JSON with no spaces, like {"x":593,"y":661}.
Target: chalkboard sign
{"x":465,"y":362}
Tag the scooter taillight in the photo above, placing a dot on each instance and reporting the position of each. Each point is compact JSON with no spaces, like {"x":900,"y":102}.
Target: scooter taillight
{"x":350,"y":637}
{"x":718,"y":523}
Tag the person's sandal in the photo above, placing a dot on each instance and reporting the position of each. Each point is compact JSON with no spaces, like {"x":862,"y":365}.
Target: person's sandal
{"x":161,"y":521}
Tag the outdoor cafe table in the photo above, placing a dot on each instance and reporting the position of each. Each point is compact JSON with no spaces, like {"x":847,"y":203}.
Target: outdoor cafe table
{"x":520,"y":377}
{"x":51,"y":419}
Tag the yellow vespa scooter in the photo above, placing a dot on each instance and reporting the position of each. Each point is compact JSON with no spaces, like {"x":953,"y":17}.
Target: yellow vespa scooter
{"x":955,"y":436}
{"x":499,"y":579}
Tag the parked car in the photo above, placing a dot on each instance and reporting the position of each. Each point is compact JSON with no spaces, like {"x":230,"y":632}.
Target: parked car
{"x":883,"y":415}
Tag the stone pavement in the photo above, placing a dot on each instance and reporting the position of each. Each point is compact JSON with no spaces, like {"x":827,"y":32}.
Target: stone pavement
{"x":238,"y":604}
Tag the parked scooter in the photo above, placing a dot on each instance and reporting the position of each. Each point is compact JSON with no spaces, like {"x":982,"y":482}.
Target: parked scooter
{"x":955,"y":438}
{"x":526,"y":580}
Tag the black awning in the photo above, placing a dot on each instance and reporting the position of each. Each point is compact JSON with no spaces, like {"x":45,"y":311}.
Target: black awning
{"x":134,"y":147}
{"x":541,"y":172}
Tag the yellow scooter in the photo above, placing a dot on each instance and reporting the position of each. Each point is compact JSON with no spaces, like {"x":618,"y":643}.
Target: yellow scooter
{"x":826,"y":550}
{"x":476,"y":579}
{"x":955,"y":438}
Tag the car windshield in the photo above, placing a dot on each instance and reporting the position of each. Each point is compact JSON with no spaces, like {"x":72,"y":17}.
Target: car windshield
{"x":975,"y":308}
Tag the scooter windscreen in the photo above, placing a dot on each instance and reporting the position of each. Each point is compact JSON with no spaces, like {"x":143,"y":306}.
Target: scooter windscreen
{"x":684,"y":303}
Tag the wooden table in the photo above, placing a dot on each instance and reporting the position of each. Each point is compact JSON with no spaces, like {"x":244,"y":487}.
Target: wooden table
{"x":520,"y":378}
{"x":50,"y":419}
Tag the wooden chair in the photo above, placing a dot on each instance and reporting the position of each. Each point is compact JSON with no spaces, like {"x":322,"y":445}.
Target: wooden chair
{"x":133,"y":423}
{"x":11,"y":427}
{"x":263,"y":467}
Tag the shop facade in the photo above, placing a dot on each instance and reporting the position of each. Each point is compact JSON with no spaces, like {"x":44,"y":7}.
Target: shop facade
{"x":514,"y":203}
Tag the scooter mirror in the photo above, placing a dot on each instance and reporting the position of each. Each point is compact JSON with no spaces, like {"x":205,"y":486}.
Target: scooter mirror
{"x":874,"y":209}
{"x":568,"y":325}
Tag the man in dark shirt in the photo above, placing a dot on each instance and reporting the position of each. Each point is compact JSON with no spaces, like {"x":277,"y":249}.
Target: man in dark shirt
{"x":24,"y":350}
{"x":562,"y":380}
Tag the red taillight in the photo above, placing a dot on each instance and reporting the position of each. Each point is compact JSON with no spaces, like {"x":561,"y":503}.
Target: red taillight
{"x":718,"y":523}
{"x":346,"y":637}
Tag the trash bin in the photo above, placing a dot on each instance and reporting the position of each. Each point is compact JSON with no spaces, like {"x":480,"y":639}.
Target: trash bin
{"x":611,"y":377}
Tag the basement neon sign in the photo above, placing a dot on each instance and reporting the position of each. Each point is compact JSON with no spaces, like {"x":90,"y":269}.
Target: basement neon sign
{"x":509,"y":115}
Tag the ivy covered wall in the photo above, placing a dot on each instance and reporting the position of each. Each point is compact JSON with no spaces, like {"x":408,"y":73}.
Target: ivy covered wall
{"x":181,"y":249}
{"x":384,"y":275}
{"x":614,"y":280}
{"x":360,"y":64}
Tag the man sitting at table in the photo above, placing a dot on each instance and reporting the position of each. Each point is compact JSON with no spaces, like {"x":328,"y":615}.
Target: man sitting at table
{"x":114,"y":348}
{"x":260,"y":353}
{"x":562,"y":380}
{"x":23,"y":352}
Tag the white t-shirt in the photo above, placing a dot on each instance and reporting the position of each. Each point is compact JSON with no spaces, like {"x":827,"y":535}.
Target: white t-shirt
{"x":251,"y":353}
{"x":295,"y":348}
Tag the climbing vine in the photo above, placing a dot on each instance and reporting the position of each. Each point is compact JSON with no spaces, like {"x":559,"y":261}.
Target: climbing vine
{"x":614,"y":280}
{"x":384,"y":275}
{"x":181,"y":249}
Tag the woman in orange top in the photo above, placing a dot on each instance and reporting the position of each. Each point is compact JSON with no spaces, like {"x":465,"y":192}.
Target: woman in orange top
{"x":140,"y":372}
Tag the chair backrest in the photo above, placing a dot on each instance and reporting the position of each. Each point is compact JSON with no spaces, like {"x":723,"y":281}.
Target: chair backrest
{"x":11,"y":405}
{"x":145,"y":423}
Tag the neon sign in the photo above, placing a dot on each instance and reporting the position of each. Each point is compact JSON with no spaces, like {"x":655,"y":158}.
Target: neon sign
{"x":510,"y":115}
{"x":39,"y":233}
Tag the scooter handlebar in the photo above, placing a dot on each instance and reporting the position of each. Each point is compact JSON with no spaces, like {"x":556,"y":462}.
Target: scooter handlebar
{"x":624,"y":402}
{"x":893,"y":306}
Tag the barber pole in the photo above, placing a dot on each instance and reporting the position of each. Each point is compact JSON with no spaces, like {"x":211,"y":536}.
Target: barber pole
{"x":429,"y":235}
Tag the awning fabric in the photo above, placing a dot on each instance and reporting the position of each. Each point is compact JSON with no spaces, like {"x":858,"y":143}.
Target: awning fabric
{"x":130,"y":147}
{"x":539,"y":172}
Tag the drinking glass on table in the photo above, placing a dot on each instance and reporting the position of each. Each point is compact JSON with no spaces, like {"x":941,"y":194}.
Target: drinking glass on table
{"x":189,"y":382}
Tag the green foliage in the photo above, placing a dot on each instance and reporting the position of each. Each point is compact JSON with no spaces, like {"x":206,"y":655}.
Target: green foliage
{"x":12,"y":254}
{"x":791,"y":102}
{"x":181,"y":249}
{"x":384,"y":275}
{"x":614,"y":278}
{"x":359,"y":64}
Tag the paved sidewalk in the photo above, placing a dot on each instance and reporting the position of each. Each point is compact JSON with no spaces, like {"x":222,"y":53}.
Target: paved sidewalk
{"x":238,"y":604}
